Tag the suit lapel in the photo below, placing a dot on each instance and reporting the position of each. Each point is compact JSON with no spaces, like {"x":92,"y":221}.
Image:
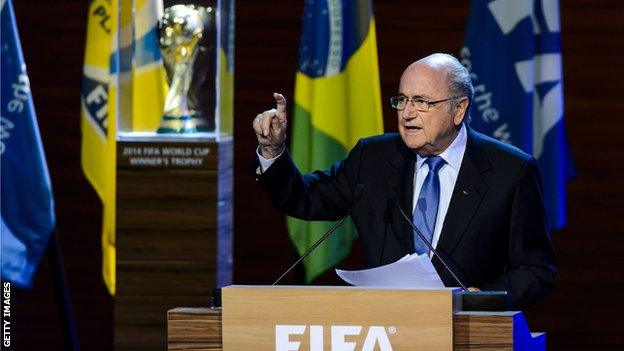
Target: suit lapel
{"x":400,"y":186}
{"x":467,"y":195}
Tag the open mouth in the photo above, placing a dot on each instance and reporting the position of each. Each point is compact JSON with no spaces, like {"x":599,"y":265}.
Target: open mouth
{"x":412,"y":128}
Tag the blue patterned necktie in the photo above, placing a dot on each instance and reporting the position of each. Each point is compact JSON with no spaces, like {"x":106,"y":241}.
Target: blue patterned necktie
{"x":426,"y":209}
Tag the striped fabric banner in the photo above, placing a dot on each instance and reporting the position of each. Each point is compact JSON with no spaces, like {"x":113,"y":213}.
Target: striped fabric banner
{"x":122,"y":58}
{"x":149,"y":80}
{"x":337,"y":102}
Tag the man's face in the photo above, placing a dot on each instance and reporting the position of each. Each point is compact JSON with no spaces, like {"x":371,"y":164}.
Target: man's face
{"x":427,"y":133}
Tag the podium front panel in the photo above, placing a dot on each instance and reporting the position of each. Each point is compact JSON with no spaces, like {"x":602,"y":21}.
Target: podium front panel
{"x":337,"y":318}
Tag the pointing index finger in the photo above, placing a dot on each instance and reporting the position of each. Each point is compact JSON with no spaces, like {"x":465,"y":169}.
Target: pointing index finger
{"x":280,"y":101}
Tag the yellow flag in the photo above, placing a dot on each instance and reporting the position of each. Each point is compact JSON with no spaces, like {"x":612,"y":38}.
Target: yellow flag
{"x":98,"y":121}
{"x":106,"y":58}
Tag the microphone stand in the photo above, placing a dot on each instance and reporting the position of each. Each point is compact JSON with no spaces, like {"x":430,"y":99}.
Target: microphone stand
{"x":435,"y":253}
{"x":357,"y":195}
{"x":471,"y":300}
{"x":309,"y":250}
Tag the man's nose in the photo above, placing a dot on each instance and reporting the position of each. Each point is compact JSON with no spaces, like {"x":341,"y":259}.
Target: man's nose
{"x":409,"y":112}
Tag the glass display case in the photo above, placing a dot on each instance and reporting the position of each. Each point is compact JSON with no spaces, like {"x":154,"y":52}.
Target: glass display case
{"x":173,"y":198}
{"x":176,"y":78}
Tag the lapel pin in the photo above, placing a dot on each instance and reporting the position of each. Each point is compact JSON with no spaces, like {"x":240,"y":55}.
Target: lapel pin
{"x":464,"y":192}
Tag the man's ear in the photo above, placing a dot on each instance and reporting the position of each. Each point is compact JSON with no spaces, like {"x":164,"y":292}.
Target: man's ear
{"x":460,"y":111}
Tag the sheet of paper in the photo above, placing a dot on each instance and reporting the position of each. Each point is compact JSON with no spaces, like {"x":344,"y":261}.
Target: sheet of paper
{"x":411,"y":271}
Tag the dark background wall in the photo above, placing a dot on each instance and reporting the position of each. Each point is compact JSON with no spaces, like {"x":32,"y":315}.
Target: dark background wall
{"x":585,"y":310}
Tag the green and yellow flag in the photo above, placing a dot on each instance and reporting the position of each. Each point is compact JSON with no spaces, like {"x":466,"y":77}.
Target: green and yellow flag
{"x":337,"y":102}
{"x":107,"y":58}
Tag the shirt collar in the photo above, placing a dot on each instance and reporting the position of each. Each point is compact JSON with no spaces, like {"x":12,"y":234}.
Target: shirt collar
{"x":454,"y":153}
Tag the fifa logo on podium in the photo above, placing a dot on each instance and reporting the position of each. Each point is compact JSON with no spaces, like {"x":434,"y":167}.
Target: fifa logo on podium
{"x":376,"y":336}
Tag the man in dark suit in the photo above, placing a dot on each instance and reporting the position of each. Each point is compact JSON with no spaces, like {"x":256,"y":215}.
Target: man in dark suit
{"x":477,"y":200}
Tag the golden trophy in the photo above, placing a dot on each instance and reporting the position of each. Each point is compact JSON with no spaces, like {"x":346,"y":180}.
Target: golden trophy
{"x":202,"y":94}
{"x":180,"y":30}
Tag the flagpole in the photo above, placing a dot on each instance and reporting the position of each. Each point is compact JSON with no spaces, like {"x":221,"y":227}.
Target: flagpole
{"x":68,"y":324}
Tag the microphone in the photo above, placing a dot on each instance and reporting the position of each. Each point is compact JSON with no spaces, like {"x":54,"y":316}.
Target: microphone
{"x":357,"y":194}
{"x":435,"y":253}
{"x":471,"y":300}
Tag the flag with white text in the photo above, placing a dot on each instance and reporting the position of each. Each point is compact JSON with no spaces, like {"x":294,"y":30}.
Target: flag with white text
{"x":27,"y":217}
{"x":512,"y":49}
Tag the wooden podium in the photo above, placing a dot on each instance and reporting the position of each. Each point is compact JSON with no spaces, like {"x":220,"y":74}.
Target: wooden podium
{"x":346,"y":318}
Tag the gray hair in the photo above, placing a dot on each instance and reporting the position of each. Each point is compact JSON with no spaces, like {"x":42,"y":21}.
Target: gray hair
{"x":458,"y":80}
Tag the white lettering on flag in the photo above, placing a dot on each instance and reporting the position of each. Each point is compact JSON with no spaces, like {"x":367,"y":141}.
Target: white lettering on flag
{"x":334,"y":55}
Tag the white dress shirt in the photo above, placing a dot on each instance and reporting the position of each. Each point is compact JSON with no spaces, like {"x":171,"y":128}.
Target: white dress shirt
{"x":265,"y":163}
{"x":453,"y":156}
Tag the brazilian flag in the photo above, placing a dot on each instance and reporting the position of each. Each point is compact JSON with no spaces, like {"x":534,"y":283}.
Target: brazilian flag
{"x":337,"y":102}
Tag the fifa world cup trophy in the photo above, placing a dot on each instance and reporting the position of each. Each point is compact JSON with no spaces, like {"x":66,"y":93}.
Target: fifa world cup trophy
{"x":180,"y":29}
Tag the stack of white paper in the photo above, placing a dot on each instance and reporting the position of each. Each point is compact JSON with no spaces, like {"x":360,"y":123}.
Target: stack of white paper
{"x":411,"y":271}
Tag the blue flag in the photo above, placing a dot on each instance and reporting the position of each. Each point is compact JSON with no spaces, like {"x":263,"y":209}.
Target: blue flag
{"x":513,"y":52}
{"x":27,"y":214}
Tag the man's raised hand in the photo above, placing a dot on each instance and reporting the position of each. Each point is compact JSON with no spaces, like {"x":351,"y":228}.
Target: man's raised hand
{"x":270,"y":127}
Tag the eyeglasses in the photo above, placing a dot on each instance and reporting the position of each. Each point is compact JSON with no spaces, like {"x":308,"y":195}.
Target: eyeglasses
{"x":420,"y":104}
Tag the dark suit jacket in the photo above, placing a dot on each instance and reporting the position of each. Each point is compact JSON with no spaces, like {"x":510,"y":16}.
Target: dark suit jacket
{"x":495,"y":234}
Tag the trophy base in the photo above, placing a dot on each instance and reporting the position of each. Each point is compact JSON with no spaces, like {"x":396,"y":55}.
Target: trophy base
{"x":202,"y":124}
{"x":177,"y":125}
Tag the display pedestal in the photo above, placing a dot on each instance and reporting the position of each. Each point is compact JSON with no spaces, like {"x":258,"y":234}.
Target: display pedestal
{"x":173,"y":232}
